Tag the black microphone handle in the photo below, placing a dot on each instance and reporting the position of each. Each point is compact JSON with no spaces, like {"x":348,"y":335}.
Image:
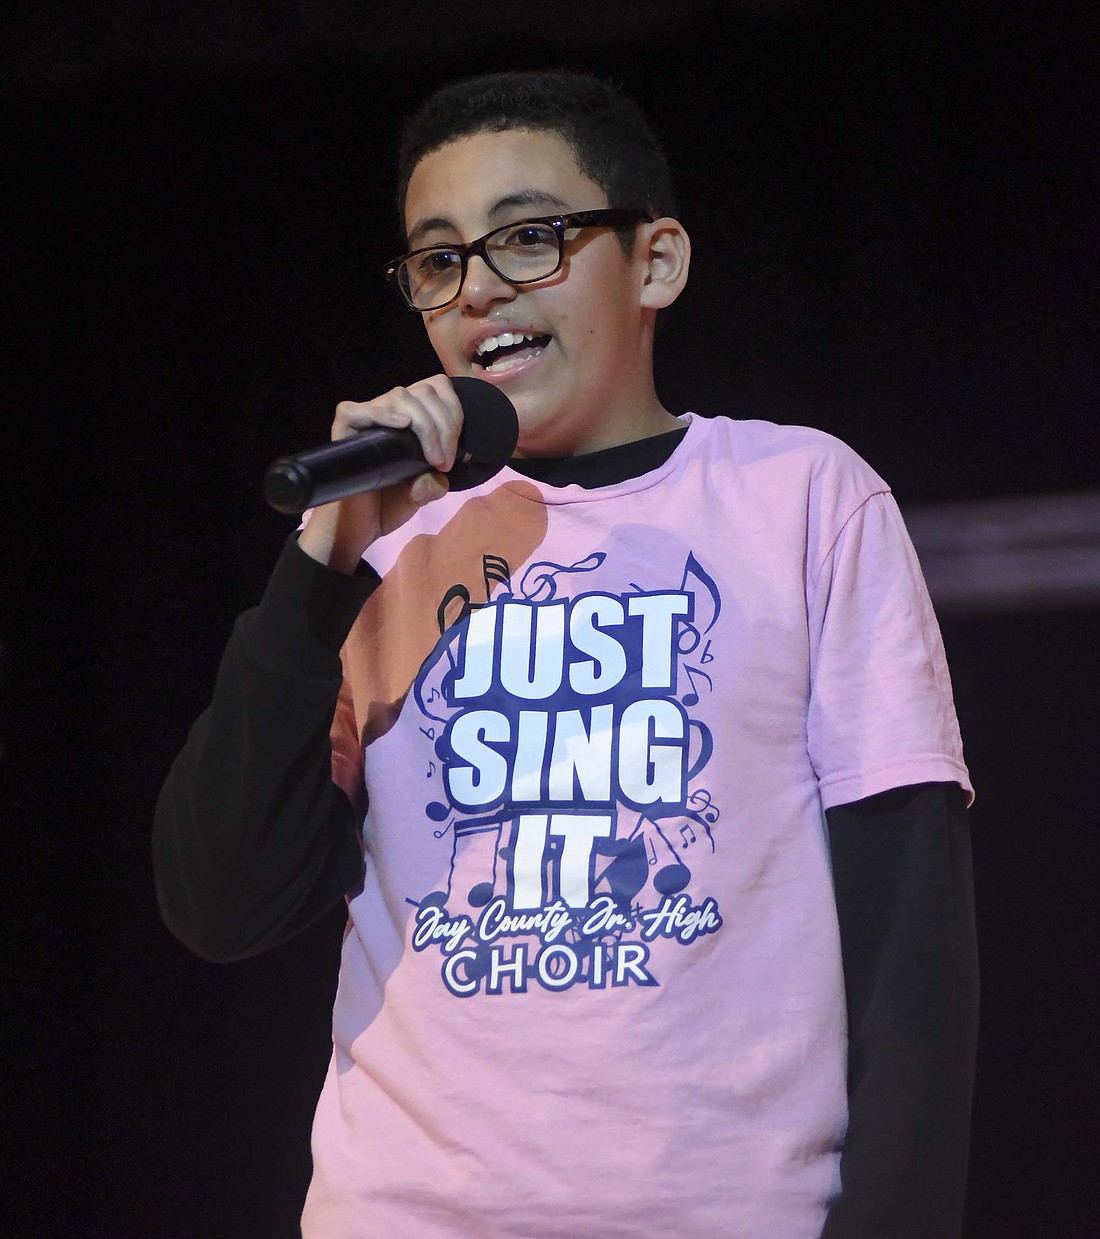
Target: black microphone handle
{"x":369,"y":460}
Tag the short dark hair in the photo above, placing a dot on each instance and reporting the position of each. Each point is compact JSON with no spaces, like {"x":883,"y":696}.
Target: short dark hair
{"x":606,"y":131}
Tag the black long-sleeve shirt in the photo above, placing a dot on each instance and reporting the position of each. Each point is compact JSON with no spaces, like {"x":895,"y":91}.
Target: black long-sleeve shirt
{"x":253,"y":842}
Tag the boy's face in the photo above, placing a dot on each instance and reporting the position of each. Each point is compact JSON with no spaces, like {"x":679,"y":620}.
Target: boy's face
{"x":578,"y":385}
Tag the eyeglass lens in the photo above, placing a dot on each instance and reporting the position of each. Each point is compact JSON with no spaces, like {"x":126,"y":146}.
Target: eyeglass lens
{"x":520,"y":253}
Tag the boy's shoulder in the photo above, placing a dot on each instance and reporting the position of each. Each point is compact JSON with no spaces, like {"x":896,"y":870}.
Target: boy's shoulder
{"x":749,"y":442}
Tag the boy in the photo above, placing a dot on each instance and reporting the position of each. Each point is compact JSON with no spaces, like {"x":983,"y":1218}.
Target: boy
{"x":566,"y":745}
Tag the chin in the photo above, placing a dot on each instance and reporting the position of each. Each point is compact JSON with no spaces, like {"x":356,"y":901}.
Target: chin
{"x":544,"y":435}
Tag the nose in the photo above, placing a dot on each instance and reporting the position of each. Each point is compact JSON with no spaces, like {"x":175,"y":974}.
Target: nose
{"x":482,"y":286}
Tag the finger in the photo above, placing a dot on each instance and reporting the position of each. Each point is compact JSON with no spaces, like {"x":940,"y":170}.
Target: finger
{"x":429,"y":407}
{"x":438,"y":422}
{"x":426,"y":487}
{"x":399,"y":502}
{"x":391,"y":409}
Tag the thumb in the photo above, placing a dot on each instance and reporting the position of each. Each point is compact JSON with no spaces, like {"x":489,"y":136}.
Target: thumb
{"x":399,"y":502}
{"x":428,"y":486}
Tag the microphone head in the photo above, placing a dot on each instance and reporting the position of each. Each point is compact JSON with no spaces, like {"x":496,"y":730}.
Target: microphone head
{"x":490,"y":431}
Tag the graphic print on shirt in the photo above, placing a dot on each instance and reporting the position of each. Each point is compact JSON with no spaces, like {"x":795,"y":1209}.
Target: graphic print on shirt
{"x":567,"y":767}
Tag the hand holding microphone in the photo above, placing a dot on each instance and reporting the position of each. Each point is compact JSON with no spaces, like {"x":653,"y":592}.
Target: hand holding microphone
{"x":385,"y":459}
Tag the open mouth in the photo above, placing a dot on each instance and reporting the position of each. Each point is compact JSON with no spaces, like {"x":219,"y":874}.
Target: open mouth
{"x":510,"y":348}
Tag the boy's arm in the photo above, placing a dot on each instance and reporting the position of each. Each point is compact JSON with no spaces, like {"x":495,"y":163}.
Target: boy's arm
{"x":252,"y":841}
{"x":905,"y":904}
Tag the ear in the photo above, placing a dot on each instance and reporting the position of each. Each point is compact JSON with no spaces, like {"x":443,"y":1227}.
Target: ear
{"x":665,"y":252}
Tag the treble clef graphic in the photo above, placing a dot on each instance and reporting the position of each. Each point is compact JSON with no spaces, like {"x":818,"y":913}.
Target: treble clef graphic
{"x":700,"y":800}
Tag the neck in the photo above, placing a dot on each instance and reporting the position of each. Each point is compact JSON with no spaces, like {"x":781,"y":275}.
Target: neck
{"x":628,"y":408}
{"x":637,"y":424}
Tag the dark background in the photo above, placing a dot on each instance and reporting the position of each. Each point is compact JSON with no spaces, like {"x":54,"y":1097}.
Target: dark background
{"x":893,"y":210}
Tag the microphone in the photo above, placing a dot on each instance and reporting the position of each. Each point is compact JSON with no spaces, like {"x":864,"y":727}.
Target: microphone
{"x":381,"y":455}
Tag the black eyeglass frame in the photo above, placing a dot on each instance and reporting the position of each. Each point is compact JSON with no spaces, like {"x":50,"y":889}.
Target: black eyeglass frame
{"x":602,"y":217}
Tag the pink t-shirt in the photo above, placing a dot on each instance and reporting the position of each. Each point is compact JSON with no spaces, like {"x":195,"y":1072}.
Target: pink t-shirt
{"x":592,"y":983}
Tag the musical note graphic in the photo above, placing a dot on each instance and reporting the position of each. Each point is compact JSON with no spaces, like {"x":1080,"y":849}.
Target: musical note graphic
{"x":437,"y":811}
{"x":700,"y":800}
{"x":539,"y":583}
{"x":461,"y":593}
{"x":479,"y":894}
{"x":674,"y":875}
{"x":496,"y":571}
{"x":706,"y":747}
{"x":431,"y":769}
{"x":627,"y":872}
{"x":708,"y":606}
{"x":427,"y":687}
{"x":474,"y":859}
{"x":687,"y":830}
{"x":691,"y":698}
{"x":671,"y":879}
{"x":694,"y":569}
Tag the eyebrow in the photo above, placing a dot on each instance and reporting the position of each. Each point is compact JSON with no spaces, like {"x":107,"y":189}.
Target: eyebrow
{"x":528,"y":196}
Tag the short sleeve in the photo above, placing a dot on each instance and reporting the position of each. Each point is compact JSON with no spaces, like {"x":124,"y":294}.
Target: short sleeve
{"x":881,"y":712}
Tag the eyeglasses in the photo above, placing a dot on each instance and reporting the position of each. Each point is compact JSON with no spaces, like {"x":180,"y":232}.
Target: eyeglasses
{"x":520,"y":253}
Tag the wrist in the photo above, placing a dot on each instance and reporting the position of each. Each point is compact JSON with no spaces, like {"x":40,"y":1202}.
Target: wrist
{"x":326,"y":539}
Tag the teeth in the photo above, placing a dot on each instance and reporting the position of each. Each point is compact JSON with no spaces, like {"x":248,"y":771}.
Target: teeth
{"x":504,"y":340}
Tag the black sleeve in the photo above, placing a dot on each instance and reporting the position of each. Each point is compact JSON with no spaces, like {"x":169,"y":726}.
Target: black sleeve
{"x":905,"y":904}
{"x":252,"y":841}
